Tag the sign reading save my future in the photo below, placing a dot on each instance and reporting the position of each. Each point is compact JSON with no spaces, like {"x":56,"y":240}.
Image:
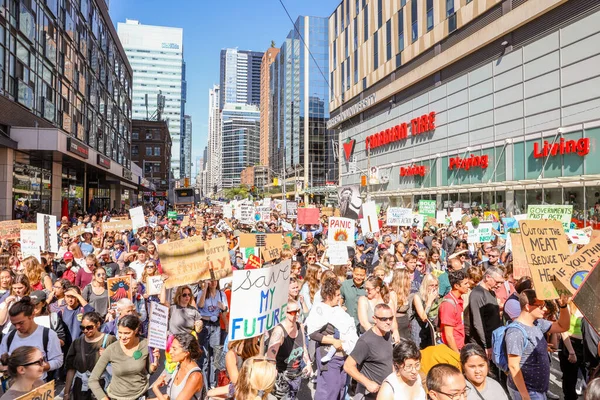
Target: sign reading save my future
{"x":552,"y":212}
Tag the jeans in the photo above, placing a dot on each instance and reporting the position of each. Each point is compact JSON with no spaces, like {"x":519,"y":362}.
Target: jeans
{"x":515,"y":395}
{"x":331,"y":383}
{"x":213,"y":339}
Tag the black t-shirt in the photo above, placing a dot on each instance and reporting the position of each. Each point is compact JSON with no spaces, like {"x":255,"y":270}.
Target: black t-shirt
{"x":291,"y":351}
{"x":373,"y":356}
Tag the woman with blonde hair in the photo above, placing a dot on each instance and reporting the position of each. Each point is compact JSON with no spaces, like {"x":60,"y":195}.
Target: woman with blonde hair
{"x":311,"y":284}
{"x":38,"y":278}
{"x":255,"y":382}
{"x":238,"y":352}
{"x":424,"y":312}
{"x":183,"y":315}
{"x":400,"y":293}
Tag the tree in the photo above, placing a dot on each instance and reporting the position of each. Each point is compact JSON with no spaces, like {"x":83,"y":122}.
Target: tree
{"x":241,"y":191}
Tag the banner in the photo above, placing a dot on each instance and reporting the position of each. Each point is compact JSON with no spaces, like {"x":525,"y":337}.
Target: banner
{"x":154,"y":285}
{"x":349,"y":201}
{"x":44,"y":392}
{"x":157,"y":326}
{"x":337,"y":253}
{"x":308,"y":216}
{"x":258,"y":300}
{"x":427,"y":208}
{"x":520,"y":267}
{"x":441,"y":217}
{"x":341,"y":230}
{"x":578,"y":265}
{"x":137,"y":217}
{"x":510,"y":223}
{"x":191,"y":260}
{"x":117,"y":226}
{"x":29,"y":244}
{"x":546,"y":249}
{"x":369,"y":221}
{"x":291,"y":208}
{"x":483,"y":233}
{"x":77,"y":230}
{"x":119,"y":287}
{"x":491,"y":216}
{"x":558,"y":213}
{"x":10,"y":230}
{"x":246,"y":214}
{"x":48,"y":237}
{"x":397,"y":216}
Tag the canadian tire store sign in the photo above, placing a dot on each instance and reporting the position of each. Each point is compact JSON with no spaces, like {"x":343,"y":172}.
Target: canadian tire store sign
{"x":418,"y":126}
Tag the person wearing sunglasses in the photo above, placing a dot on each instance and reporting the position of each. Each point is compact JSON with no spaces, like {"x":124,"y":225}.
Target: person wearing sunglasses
{"x":370,"y":362}
{"x":83,"y":354}
{"x":25,"y":368}
{"x":183,"y":316}
{"x":95,"y":292}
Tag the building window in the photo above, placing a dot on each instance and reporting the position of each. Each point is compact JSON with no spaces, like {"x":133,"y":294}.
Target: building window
{"x":451,"y":15}
{"x":342,"y":75}
{"x":342,"y":15}
{"x":331,"y":82}
{"x":346,"y":43}
{"x":135,"y":135}
{"x":429,"y":15}
{"x":388,"y":37}
{"x":402,"y":3}
{"x":414,"y":20}
{"x":375,"y":51}
{"x":366,"y":24}
{"x":348,"y":13}
{"x":400,"y":30}
{"x":348,"y":74}
{"x":355,"y":33}
{"x":148,"y":150}
{"x":157,"y":151}
{"x":357,"y":7}
{"x":365,"y":83}
{"x":334,"y":53}
{"x":335,"y":21}
{"x":355,"y":67}
{"x":379,"y":13}
{"x":135,"y":150}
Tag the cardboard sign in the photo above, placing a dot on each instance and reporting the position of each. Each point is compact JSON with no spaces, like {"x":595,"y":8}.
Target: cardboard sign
{"x":308,"y":216}
{"x":587,"y":298}
{"x":260,"y":240}
{"x":337,"y":253}
{"x":44,"y":392}
{"x":191,"y":260}
{"x":580,"y":264}
{"x":258,"y":300}
{"x":327,"y":211}
{"x":520,"y":266}
{"x":271,"y":253}
{"x":10,"y":230}
{"x":551,"y":212}
{"x":157,"y":326}
{"x":117,"y":226}
{"x":137,"y":217}
{"x":77,"y":230}
{"x":185,"y":221}
{"x":456,"y":215}
{"x":253,"y":262}
{"x":432,"y":221}
{"x":48,"y":237}
{"x":119,"y":287}
{"x":427,"y":208}
{"x":483,"y":233}
{"x":291,"y":209}
{"x":154,"y":285}
{"x":31,"y":226}
{"x":546,"y":250}
{"x":246,"y":214}
{"x":580,"y":236}
{"x":341,"y":230}
{"x":222,"y":226}
{"x":29,"y":244}
{"x":397,"y":216}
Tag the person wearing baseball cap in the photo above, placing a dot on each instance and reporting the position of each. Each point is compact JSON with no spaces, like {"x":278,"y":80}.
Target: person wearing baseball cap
{"x":43,"y":317}
{"x":65,"y":269}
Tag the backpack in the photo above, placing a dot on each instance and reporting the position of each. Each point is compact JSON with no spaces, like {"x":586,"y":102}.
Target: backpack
{"x":45,"y":339}
{"x":499,"y":354}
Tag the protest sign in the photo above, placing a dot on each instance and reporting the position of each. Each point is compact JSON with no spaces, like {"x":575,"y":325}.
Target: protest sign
{"x":327,"y":211}
{"x":119,"y":287}
{"x":253,"y":262}
{"x":48,"y":237}
{"x":431,"y":221}
{"x":171,"y":214}
{"x":157,"y":326}
{"x":491,"y":216}
{"x":580,"y":236}
{"x":29,"y":244}
{"x":286,"y":226}
{"x":520,"y":267}
{"x":578,"y":265}
{"x":546,"y":249}
{"x":369,"y":221}
{"x":185,"y":221}
{"x":337,"y":252}
{"x":259,"y":239}
{"x":397,"y":216}
{"x":246,"y":214}
{"x":258,"y":300}
{"x":427,"y":208}
{"x":456,"y":215}
{"x":279,"y":206}
{"x":222,"y":226}
{"x":510,"y":223}
{"x":483,"y":233}
{"x":587,"y":298}
{"x":291,"y":208}
{"x":262,"y":213}
{"x":191,"y":260}
{"x":43,"y":392}
{"x":271,"y":253}
{"x":227,"y":211}
{"x":117,"y":226}
{"x":10,"y":230}
{"x":30,"y":226}
{"x":341,"y":230}
{"x":137,"y":217}
{"x":308,"y":216}
{"x":153,"y":285}
{"x":441,"y":217}
{"x":552,"y":212}
{"x":77,"y":230}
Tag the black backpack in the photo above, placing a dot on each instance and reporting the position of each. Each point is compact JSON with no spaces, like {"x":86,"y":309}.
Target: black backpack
{"x":45,"y":339}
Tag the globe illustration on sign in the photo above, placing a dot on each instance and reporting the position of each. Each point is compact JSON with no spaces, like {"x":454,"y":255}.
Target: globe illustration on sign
{"x":578,"y":278}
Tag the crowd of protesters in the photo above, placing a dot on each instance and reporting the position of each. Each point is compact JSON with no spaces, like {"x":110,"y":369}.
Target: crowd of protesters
{"x":412,"y":314}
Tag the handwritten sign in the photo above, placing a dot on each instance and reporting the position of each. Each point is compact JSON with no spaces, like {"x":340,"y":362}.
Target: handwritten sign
{"x":546,"y":250}
{"x":77,"y":230}
{"x":291,"y":209}
{"x":579,"y":265}
{"x":154,"y":285}
{"x":258,"y":300}
{"x":119,"y":287}
{"x":185,"y":221}
{"x":427,"y":208}
{"x":29,"y":244}
{"x":191,"y":260}
{"x":44,"y":392}
{"x":246,"y":214}
{"x":483,"y":233}
{"x":397,"y":216}
{"x":441,"y":217}
{"x":260,"y":240}
{"x":30,"y":226}
{"x":137,"y":217}
{"x":10,"y":230}
{"x":157,"y":326}
{"x":253,"y":262}
{"x":580,"y":236}
{"x":341,"y":230}
{"x":117,"y":226}
{"x":337,"y":253}
{"x":557,"y":213}
{"x":520,"y":266}
{"x":308,"y":216}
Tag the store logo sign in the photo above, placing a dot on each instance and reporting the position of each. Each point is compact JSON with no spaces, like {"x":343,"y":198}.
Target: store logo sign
{"x":418,"y":126}
{"x":78,"y":148}
{"x":127,"y":174}
{"x":103,"y":161}
{"x":413,"y":170}
{"x":469,"y":162}
{"x":348,"y":148}
{"x":580,"y":147}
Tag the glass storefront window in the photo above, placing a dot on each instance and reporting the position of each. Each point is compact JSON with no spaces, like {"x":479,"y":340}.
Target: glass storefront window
{"x":32,"y":191}
{"x":519,"y":207}
{"x":592,"y":167}
{"x":553,"y":196}
{"x":572,"y":162}
{"x":533,"y":196}
{"x":575,"y":196}
{"x":533,"y":165}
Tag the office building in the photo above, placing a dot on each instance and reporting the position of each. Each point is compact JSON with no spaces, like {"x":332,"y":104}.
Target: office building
{"x":186,"y":148}
{"x":156,"y":56}
{"x":151,"y":149}
{"x":256,"y":176}
{"x":460,"y":102}
{"x":240,"y":128}
{"x":265,"y":101}
{"x":213,"y":157}
{"x":240,"y":77}
{"x":65,"y":110}
{"x":300,"y":146}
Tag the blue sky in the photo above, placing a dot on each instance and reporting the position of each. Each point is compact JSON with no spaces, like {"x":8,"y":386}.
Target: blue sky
{"x":208,"y":26}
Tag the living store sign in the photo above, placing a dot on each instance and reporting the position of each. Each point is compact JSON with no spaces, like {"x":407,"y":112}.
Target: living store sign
{"x":580,"y":147}
{"x":418,"y":126}
{"x":468,"y":162}
{"x":413,"y":170}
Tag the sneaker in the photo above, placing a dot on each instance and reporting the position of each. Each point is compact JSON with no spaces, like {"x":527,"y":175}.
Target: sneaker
{"x":580,"y":386}
{"x":552,"y":396}
{"x":327,"y":357}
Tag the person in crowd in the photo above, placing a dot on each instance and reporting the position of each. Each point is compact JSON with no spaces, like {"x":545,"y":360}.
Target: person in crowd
{"x":7,"y":278}
{"x":44,"y":317}
{"x":25,"y":366}
{"x":83,"y":354}
{"x":512,"y":306}
{"x":130,"y":361}
{"x":451,"y":311}
{"x":507,"y":288}
{"x":85,"y":275}
{"x":528,"y":360}
{"x":140,"y":263}
{"x":72,"y":314}
{"x":377,"y":292}
{"x":96,"y":294}
{"x":57,"y":301}
{"x":19,"y":289}
{"x":475,"y":366}
{"x":187,"y":382}
{"x":493,"y":256}
{"x":287,"y":345}
{"x":311,"y":284}
{"x":571,"y":355}
{"x":152,"y":252}
{"x":295,"y":297}
{"x":592,"y":392}
{"x":38,"y":278}
{"x":453,"y":265}
{"x":424,"y":312}
{"x":400,"y":294}
{"x":446,"y":382}
{"x":183,"y":316}
{"x":404,"y":382}
{"x":370,"y":362}
{"x":239,"y":351}
{"x":257,"y":379}
{"x":352,"y":289}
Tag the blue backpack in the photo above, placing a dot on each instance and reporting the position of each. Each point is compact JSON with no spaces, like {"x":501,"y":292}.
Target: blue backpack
{"x":499,"y":354}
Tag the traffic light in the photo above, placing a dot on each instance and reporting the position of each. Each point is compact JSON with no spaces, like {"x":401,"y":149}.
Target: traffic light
{"x":276,"y":181}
